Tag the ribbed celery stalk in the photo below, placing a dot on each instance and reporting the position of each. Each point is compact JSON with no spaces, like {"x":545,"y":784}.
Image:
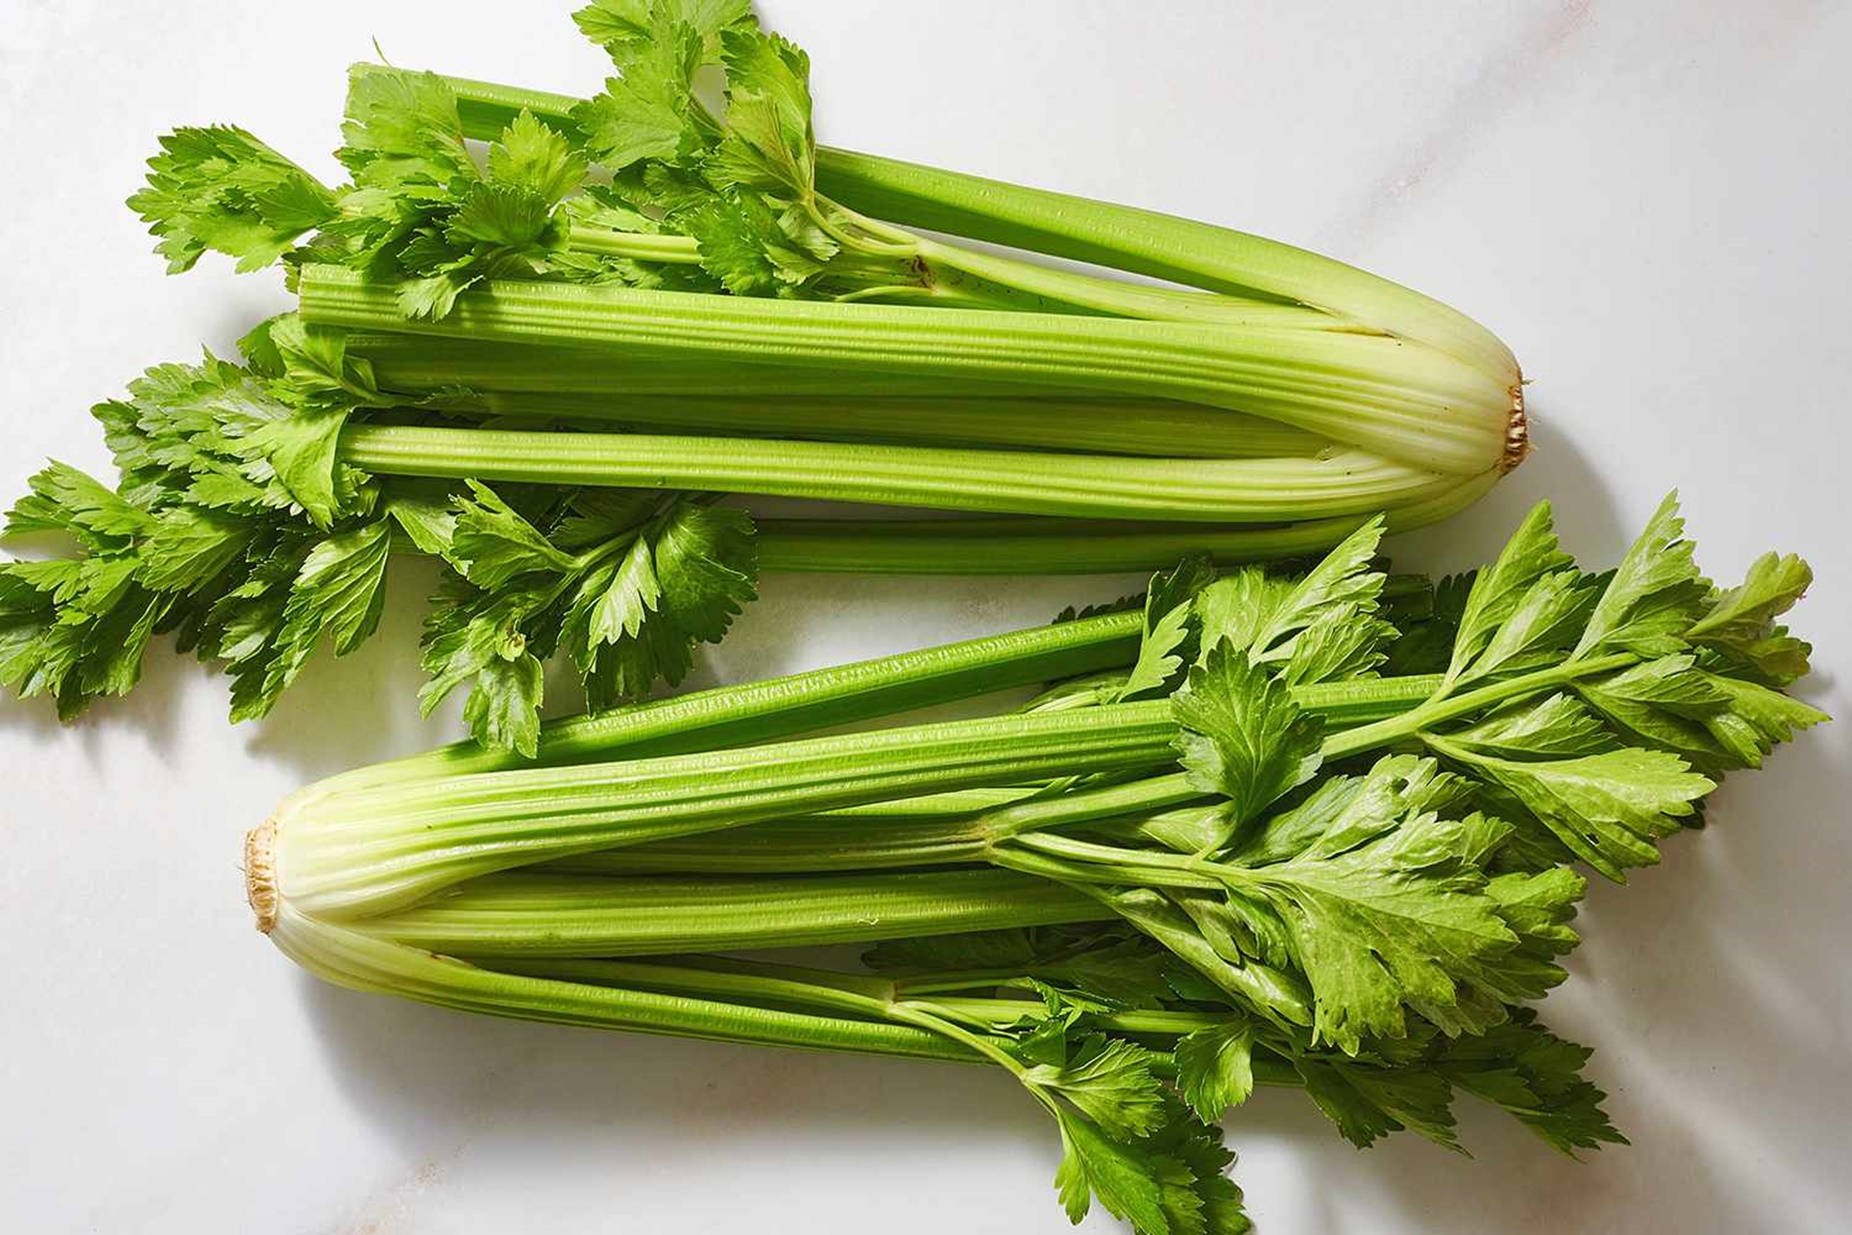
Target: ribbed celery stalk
{"x":1031,"y":545}
{"x":799,"y":702}
{"x":905,"y":834}
{"x":522,"y":914}
{"x":1347,"y":482}
{"x":1404,"y":403}
{"x":415,"y":363}
{"x":711,"y":998}
{"x":363,"y":962}
{"x":1144,"y":242}
{"x":348,"y":851}
{"x":351,"y":847}
{"x":1161,"y":427}
{"x":1080,"y":229}
{"x":874,"y":838}
{"x":1150,"y":243}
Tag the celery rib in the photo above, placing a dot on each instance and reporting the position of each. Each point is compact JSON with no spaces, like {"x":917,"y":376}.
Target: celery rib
{"x":1125,"y":238}
{"x":1160,"y":427}
{"x":806,"y":844}
{"x":419,"y":362}
{"x":1039,"y":545}
{"x":1150,"y":243}
{"x":522,"y":914}
{"x":796,"y":703}
{"x":1399,"y":400}
{"x":354,"y":959}
{"x":367,"y":848}
{"x":1010,"y":482}
{"x":640,"y":246}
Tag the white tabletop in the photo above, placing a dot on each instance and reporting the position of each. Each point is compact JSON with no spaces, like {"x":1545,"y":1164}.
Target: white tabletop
{"x":1648,"y":200}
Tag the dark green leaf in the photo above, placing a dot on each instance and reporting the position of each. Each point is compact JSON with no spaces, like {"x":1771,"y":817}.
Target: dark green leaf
{"x":338,"y":592}
{"x":189,"y":547}
{"x":503,"y":711}
{"x":1398,"y":920}
{"x":1151,"y":1191}
{"x":492,"y":544}
{"x":629,"y":600}
{"x":1111,"y":1081}
{"x":1530,"y":555}
{"x":1537,"y":1077}
{"x":1170,"y":635}
{"x":1608,"y":808}
{"x":66,"y":500}
{"x":1241,"y":734}
{"x":1654,"y":596}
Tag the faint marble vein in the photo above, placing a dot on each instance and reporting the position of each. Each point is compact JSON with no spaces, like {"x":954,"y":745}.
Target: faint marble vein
{"x":390,"y":1211}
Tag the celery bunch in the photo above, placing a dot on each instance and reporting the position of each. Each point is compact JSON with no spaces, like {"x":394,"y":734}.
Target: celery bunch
{"x":1223,"y":849}
{"x":542,"y":360}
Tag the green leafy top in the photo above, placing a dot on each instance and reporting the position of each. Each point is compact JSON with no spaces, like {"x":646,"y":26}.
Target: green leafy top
{"x":424,"y":215}
{"x":420,"y":212}
{"x":656,"y":578}
{"x":697,"y":200}
{"x":741,"y":182}
{"x":1580,"y":719}
{"x":623,"y":26}
{"x":1241,"y":734}
{"x":1496,"y":592}
{"x":221,"y":189}
{"x":1322,"y":626}
{"x":1662,"y":682}
{"x":1407,"y":1083}
{"x":237,"y":526}
{"x":1172,"y":633}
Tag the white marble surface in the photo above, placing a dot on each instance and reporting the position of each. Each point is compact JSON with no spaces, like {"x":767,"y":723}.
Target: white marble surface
{"x":1648,"y":199}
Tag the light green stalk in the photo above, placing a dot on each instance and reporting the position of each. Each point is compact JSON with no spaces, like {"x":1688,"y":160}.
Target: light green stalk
{"x":1156,"y":427}
{"x":1018,"y":482}
{"x":354,"y":959}
{"x":1036,"y":545}
{"x":1080,"y":229}
{"x":1410,"y":404}
{"x":349,"y":851}
{"x":353,"y":847}
{"x":549,"y":914}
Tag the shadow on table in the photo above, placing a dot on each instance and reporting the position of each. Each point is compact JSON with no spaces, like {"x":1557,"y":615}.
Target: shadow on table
{"x":1587,"y":520}
{"x":361,"y":708}
{"x":148,"y":714}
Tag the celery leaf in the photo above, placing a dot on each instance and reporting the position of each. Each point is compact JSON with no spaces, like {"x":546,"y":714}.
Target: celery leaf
{"x":223,"y":190}
{"x":1241,"y":734}
{"x":1215,"y":1068}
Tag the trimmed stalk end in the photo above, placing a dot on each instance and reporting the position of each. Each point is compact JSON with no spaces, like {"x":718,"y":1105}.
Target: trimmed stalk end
{"x":1517,"y":430}
{"x":260,"y":880}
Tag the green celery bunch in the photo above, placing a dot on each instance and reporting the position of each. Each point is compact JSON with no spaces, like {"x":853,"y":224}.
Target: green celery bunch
{"x":1222,"y":849}
{"x":543,"y":362}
